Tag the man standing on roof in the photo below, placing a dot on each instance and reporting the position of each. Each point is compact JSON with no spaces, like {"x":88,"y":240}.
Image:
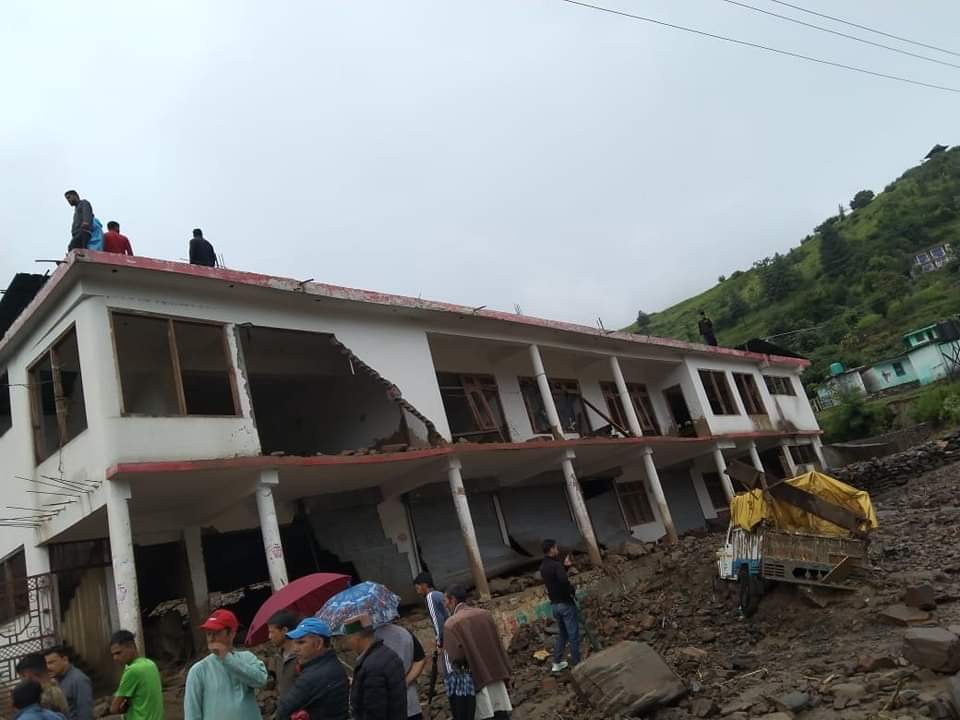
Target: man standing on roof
{"x":223,"y":684}
{"x":563,"y":602}
{"x":82,"y":227}
{"x":321,"y":691}
{"x":201,"y":251}
{"x":114,"y":241}
{"x":705,"y":326}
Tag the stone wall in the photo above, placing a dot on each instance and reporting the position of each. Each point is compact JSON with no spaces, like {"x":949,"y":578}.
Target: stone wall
{"x":880,"y":474}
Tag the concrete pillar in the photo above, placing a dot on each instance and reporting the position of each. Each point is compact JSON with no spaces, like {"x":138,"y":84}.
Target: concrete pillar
{"x":788,"y":458}
{"x":722,"y":469}
{"x":270,"y":528}
{"x":553,"y":418}
{"x":121,"y":552}
{"x":633,"y":422}
{"x":465,"y":519}
{"x":755,"y":457}
{"x":197,"y":566}
{"x":818,"y":449}
{"x":579,"y":507}
{"x":653,"y":479}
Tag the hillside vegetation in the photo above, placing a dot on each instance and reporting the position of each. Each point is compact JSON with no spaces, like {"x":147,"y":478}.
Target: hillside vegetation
{"x":848,"y":287}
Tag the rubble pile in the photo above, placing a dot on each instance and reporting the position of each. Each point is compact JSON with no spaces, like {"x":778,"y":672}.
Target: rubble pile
{"x":880,"y":474}
{"x":807,"y":654}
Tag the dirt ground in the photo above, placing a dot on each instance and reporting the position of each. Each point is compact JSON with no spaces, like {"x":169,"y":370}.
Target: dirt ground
{"x":793,"y":657}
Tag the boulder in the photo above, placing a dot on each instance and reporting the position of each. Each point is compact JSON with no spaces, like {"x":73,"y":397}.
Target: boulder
{"x":873,"y":663}
{"x":934,"y":648}
{"x":923,"y":597}
{"x":628,"y":548}
{"x":627,"y":679}
{"x":953,"y":693}
{"x":903,"y":615}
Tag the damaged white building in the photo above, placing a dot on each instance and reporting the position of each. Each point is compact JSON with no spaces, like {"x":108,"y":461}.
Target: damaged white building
{"x":171,"y":430}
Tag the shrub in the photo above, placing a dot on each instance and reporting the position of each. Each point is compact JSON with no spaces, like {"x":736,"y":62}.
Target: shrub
{"x":853,"y":419}
{"x":939,"y":405}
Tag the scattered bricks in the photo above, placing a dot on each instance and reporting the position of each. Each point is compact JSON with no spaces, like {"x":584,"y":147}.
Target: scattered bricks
{"x":933,"y":648}
{"x":921,"y":596}
{"x":903,"y":615}
{"x":627,"y":679}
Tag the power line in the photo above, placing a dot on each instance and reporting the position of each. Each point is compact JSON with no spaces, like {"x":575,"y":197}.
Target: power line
{"x":758,"y":46}
{"x":868,"y":29}
{"x":841,"y":34}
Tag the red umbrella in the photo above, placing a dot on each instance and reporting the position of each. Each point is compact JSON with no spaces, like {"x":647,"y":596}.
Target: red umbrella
{"x":303,"y":596}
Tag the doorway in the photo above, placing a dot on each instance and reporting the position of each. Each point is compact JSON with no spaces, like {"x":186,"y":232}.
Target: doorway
{"x":680,"y":411}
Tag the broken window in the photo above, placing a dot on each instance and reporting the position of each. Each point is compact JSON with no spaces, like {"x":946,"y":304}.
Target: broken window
{"x":473,"y":407}
{"x":718,"y":392}
{"x":173,"y":367}
{"x":747,"y":387}
{"x":635,"y":503}
{"x":641,"y":404}
{"x":779,"y":385}
{"x":6,"y":415}
{"x":680,"y":411}
{"x":718,"y":497}
{"x":57,"y":406}
{"x":14,"y":593}
{"x":804,"y":455}
{"x":566,"y":397}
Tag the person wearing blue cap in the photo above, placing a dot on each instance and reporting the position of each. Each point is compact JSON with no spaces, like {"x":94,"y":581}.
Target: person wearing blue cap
{"x":321,"y":690}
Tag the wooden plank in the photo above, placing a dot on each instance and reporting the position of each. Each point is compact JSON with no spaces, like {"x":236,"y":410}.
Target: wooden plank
{"x":814,"y":505}
{"x":746,"y":475}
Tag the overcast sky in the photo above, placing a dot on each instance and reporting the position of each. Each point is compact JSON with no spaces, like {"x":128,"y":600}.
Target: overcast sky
{"x":489,"y":152}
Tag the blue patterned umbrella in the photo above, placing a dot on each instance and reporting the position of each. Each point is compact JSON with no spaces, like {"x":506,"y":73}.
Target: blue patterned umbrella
{"x":372,"y":598}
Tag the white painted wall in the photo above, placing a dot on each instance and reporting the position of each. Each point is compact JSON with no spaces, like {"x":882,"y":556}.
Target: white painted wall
{"x":795,"y":409}
{"x":649,"y":532}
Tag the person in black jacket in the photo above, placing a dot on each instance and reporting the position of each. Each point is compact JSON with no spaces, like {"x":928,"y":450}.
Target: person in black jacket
{"x":563,"y":600}
{"x":201,"y":251}
{"x":321,"y":691}
{"x":379,"y":690}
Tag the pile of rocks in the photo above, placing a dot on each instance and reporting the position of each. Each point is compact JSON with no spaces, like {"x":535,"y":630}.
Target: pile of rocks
{"x":880,"y":474}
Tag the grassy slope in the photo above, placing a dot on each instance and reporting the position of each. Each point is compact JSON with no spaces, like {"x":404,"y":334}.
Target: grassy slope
{"x":877,"y":229}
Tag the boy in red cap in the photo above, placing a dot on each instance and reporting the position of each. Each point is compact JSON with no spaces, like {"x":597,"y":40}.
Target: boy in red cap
{"x":223,"y":684}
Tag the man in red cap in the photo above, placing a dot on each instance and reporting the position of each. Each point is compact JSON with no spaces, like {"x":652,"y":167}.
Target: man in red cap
{"x":223,"y":684}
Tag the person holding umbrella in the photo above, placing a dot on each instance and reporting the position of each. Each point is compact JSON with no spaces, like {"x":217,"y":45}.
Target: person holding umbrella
{"x":321,"y":691}
{"x":379,"y":690}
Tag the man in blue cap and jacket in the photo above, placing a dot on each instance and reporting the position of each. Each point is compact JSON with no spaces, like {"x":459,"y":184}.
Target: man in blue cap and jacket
{"x":321,"y":691}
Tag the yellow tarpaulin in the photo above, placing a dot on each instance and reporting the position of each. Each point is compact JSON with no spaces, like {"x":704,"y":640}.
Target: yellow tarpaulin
{"x":748,"y":510}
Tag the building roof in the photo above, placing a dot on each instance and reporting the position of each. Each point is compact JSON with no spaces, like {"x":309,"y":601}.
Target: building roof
{"x":758,"y":345}
{"x":77,"y":259}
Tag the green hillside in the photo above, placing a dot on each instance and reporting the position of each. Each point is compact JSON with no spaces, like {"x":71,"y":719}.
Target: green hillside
{"x":848,"y":287}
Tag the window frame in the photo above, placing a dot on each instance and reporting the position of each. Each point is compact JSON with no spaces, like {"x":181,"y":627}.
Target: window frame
{"x":556,"y":389}
{"x":175,"y":363}
{"x":749,"y":394}
{"x":16,"y":602}
{"x":642,"y":405}
{"x":5,"y":402}
{"x":723,"y":399}
{"x":60,"y":405}
{"x":779,"y":385}
{"x":898,"y":369}
{"x":635,"y":489}
{"x":475,"y":387}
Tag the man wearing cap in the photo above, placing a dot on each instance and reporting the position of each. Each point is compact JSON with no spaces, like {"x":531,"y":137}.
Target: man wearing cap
{"x":379,"y":690}
{"x":222,"y":685}
{"x":321,"y":691}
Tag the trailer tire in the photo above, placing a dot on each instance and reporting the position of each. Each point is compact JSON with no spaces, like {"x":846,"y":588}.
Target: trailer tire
{"x":751,"y":590}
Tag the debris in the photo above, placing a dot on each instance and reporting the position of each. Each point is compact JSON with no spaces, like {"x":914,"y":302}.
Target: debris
{"x":628,"y":678}
{"x":793,"y":701}
{"x":873,"y":663}
{"x":541,"y":655}
{"x":921,"y":596}
{"x":903,"y":615}
{"x":934,"y":648}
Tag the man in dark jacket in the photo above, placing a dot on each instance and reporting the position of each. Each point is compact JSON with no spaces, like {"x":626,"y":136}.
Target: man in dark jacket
{"x":705,"y":326}
{"x":379,"y":690}
{"x":321,"y":689}
{"x":201,"y":251}
{"x":563,"y":600}
{"x":82,"y":227}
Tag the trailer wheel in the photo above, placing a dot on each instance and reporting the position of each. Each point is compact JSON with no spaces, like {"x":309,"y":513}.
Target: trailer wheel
{"x":751,"y":590}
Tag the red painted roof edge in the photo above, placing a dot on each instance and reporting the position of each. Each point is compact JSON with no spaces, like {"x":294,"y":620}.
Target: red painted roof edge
{"x":372,"y":297}
{"x":263,"y":462}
